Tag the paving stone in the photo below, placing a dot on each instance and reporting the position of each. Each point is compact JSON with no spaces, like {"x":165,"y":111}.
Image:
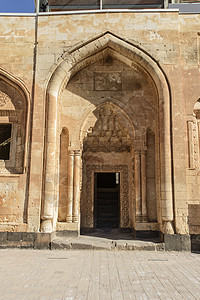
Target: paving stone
{"x":81,"y":245}
{"x":121,"y":245}
{"x":3,"y":237}
{"x":140,"y":246}
{"x":160,"y":247}
{"x":102,"y":246}
{"x":93,"y":275}
{"x":56,"y":245}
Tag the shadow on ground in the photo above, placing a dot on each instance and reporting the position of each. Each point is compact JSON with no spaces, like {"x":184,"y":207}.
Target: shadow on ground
{"x":121,"y":234}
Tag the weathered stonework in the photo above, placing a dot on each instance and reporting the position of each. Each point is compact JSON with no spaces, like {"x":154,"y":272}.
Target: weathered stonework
{"x":113,"y":91}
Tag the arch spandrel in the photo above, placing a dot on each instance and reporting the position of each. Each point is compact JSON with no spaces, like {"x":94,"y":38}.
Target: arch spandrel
{"x":131,"y":55}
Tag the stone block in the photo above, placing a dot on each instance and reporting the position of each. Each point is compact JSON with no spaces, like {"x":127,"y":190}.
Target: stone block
{"x":14,"y":236}
{"x":29,"y":237}
{"x":195,"y":242}
{"x":102,"y":246}
{"x":160,"y":247}
{"x":27,"y":244}
{"x":2,"y":246}
{"x":137,"y":245}
{"x":42,"y":241}
{"x":67,"y":233}
{"x":177,"y":242}
{"x":185,"y":242}
{"x":121,"y":246}
{"x":3,"y":237}
{"x":60,"y":245}
{"x":82,"y":246}
{"x":12,"y":244}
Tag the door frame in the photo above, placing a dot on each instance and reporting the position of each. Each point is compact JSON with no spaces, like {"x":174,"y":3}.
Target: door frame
{"x":87,"y":207}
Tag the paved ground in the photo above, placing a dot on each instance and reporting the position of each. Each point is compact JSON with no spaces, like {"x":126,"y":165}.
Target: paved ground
{"x":74,"y":274}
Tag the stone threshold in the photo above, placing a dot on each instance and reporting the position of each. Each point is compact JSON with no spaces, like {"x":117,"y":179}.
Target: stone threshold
{"x":93,"y":243}
{"x":99,"y":240}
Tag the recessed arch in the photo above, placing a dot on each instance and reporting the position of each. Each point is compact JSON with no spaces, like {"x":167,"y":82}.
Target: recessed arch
{"x":17,"y":108}
{"x":134,"y":57}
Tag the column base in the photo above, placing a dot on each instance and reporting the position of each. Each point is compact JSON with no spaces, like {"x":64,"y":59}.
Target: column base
{"x":69,"y":219}
{"x":138,"y":219}
{"x":75,"y":219}
{"x":144,"y":219}
{"x":46,"y":225}
{"x":168,"y":227}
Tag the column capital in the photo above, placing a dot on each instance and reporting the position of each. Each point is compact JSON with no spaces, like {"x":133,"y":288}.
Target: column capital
{"x":137,"y":151}
{"x":71,"y":152}
{"x":143,"y":152}
{"x":77,"y":152}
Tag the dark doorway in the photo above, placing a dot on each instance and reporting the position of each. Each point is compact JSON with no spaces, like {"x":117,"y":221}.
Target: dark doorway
{"x":106,"y":200}
{"x":5,"y":136}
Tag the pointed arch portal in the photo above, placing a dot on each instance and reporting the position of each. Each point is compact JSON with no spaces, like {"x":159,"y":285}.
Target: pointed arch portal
{"x":110,"y":45}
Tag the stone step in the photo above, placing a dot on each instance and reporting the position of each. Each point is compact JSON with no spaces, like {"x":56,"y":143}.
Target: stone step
{"x":93,"y":243}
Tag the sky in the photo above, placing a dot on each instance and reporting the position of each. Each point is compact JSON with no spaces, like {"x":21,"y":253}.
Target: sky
{"x":17,"y":6}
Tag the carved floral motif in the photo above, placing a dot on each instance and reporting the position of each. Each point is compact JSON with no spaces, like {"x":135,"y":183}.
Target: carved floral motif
{"x":4,"y":99}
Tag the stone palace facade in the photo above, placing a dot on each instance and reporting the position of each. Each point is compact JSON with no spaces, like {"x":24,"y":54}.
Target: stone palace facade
{"x":96,"y":106}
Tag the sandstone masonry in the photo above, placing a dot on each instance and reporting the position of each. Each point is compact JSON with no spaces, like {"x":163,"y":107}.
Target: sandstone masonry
{"x":100,"y":93}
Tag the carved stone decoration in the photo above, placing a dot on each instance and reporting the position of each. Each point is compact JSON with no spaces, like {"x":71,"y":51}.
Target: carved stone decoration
{"x":4,"y":99}
{"x":88,"y":203}
{"x":193,"y":144}
{"x":108,"y":134}
{"x":9,"y":113}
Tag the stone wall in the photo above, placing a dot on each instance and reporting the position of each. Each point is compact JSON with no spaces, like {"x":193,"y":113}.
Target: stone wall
{"x":169,"y":39}
{"x":16,"y":63}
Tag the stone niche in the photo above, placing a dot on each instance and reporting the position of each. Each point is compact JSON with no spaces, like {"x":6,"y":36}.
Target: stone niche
{"x":13,"y":113}
{"x":13,"y":119}
{"x":109,"y":110}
